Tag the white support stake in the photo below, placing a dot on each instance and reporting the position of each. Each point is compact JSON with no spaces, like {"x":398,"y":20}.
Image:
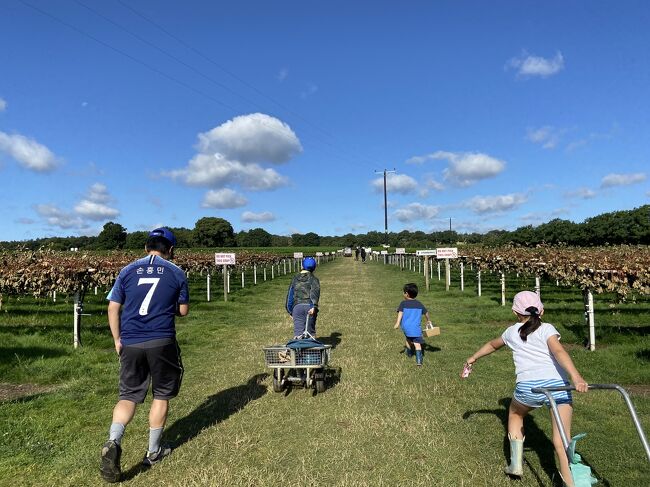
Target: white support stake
{"x":589,"y":311}
{"x":462,"y":277}
{"x":208,"y":284}
{"x":225,"y":283}
{"x":76,"y":330}
{"x":228,"y":281}
{"x":272,"y":271}
{"x":264,"y":273}
{"x":242,"y":278}
{"x":478,"y":278}
{"x":438,"y":270}
{"x":447,"y":275}
{"x":538,"y":288}
{"x":503,"y":289}
{"x":254,"y":273}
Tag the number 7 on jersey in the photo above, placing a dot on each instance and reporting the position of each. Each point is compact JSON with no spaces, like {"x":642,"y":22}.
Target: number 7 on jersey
{"x":144,"y":307}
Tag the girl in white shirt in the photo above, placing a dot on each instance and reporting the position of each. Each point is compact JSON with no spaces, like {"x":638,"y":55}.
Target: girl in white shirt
{"x":540,"y":361}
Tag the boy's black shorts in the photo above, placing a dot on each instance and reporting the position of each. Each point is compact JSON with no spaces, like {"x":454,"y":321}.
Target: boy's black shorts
{"x":156,"y":361}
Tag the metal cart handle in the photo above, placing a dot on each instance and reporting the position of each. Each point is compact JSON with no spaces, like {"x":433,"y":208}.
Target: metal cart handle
{"x":547,"y":392}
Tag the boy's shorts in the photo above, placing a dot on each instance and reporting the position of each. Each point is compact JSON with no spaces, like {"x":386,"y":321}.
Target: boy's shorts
{"x":156,"y":361}
{"x":524,"y":396}
{"x":416,"y":339}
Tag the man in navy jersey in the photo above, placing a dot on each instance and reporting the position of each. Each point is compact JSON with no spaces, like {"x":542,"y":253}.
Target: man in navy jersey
{"x":150,"y":292}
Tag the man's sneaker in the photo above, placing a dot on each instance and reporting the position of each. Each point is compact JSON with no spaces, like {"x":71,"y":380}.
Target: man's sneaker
{"x":110,"y":466}
{"x":153,"y":458}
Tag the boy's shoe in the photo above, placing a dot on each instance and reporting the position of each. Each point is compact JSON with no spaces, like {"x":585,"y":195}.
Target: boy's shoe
{"x":110,"y":466}
{"x":151,"y":459}
{"x":418,"y":358}
{"x":408,"y":351}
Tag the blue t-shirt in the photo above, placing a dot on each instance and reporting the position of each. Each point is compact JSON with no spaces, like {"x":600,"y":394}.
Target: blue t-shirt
{"x":149,"y":290}
{"x":412,"y":311}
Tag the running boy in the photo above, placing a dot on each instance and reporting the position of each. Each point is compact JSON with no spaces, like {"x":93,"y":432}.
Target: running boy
{"x":409,"y":317}
{"x":540,"y":361}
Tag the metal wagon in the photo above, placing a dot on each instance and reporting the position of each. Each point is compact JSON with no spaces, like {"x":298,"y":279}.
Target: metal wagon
{"x":301,"y":362}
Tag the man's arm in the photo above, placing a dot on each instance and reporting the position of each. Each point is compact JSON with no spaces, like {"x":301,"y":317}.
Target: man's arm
{"x":183,"y":309}
{"x":114,"y":323}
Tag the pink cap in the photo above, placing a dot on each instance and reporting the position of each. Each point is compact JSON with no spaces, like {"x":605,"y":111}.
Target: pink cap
{"x":524,"y":300}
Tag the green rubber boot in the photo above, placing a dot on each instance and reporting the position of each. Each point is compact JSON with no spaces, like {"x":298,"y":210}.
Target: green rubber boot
{"x":516,"y":467}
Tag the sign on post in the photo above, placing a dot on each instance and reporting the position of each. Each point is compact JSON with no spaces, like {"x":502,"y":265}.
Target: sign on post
{"x":447,"y":253}
{"x":400,"y":250}
{"x":225,"y":260}
{"x":297,"y":255}
{"x":425,"y":253}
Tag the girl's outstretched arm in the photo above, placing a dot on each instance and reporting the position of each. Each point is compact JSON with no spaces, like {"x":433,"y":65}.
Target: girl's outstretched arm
{"x":491,"y":346}
{"x":565,"y":361}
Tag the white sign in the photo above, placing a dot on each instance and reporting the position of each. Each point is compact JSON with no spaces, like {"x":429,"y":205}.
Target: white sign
{"x":384,"y":252}
{"x":448,"y":253}
{"x":297,"y":255}
{"x":368,"y":249}
{"x":400,"y":250}
{"x":319,"y":254}
{"x":224,"y":259}
{"x":425,"y":252}
{"x":327,"y":253}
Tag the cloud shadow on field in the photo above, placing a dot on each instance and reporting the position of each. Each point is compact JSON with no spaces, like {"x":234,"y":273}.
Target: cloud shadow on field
{"x":334,"y":339}
{"x":213,"y":410}
{"x":536,"y":442}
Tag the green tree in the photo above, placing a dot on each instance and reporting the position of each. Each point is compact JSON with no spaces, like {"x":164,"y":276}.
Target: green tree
{"x":112,"y":236}
{"x":256,"y":237}
{"x":214,"y":232}
{"x":136,"y":240}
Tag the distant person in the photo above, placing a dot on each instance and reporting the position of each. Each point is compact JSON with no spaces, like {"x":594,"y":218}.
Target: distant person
{"x":302,"y":298}
{"x":356,"y":253}
{"x":540,"y":361}
{"x":409,"y":318}
{"x":150,"y":292}
{"x":363,"y":254}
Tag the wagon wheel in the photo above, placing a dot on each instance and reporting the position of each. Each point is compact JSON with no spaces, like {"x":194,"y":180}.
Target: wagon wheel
{"x":277,"y":380}
{"x":319,"y":379}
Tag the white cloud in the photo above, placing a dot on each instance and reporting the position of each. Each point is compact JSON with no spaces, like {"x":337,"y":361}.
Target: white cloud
{"x":56,"y":217}
{"x":253,"y":138}
{"x":95,"y":211}
{"x":529,"y":66}
{"x":495,"y":204}
{"x":548,"y":137}
{"x":395,"y":183}
{"x":249,"y":216}
{"x":282,"y":75}
{"x":94,"y":206}
{"x":434,"y":185}
{"x":25,"y":221}
{"x":467,"y":168}
{"x":612,"y":180}
{"x":223,"y":198}
{"x":310,"y":90}
{"x":416,"y":211}
{"x":3,"y":105}
{"x":233,"y":152}
{"x":582,"y":193}
{"x":29,"y":153}
{"x":215,"y":171}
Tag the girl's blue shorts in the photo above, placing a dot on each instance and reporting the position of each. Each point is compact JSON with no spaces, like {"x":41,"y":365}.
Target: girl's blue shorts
{"x":524,"y":396}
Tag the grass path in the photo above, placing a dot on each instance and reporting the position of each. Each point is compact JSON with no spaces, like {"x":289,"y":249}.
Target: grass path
{"x":383,"y":421}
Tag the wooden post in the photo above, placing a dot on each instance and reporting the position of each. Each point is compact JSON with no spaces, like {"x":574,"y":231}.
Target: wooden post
{"x":589,"y":316}
{"x":447,"y":275}
{"x":426,"y":271}
{"x":503,"y":289}
{"x":225,"y":283}
{"x":478,"y":278}
{"x":208,"y":284}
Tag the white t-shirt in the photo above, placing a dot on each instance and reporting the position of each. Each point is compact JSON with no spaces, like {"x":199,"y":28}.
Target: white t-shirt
{"x":533,"y":359}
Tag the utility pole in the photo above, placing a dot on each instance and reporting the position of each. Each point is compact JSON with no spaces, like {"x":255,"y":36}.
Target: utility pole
{"x":385,"y":203}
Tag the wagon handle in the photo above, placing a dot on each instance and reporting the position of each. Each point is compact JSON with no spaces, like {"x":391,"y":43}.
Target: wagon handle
{"x":565,"y":442}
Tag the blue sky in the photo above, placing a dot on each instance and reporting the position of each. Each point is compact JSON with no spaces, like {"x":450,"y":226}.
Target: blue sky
{"x":279,"y":114}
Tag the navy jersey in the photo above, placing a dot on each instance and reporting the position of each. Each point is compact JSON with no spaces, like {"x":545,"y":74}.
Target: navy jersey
{"x":412,"y":311}
{"x":149,"y":290}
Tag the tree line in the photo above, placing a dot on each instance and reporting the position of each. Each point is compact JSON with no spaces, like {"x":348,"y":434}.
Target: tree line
{"x":619,"y":227}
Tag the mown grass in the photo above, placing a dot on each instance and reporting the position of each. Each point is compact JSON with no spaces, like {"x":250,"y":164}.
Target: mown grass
{"x":382,"y":421}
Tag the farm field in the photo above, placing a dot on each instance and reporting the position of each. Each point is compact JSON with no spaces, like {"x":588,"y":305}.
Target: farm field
{"x":382,"y":421}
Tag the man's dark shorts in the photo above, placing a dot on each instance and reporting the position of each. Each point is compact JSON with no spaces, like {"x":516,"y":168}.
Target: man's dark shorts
{"x":158,"y":361}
